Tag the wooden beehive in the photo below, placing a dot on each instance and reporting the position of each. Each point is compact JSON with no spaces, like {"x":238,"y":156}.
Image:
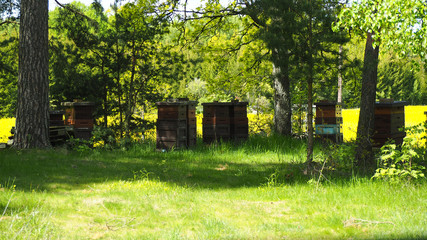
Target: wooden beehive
{"x":239,"y":121}
{"x":176,"y":124}
{"x":191,"y":123}
{"x":56,"y":118}
{"x":225,"y":121}
{"x":328,"y":121}
{"x":57,"y":131}
{"x":389,"y":122}
{"x":79,"y":116}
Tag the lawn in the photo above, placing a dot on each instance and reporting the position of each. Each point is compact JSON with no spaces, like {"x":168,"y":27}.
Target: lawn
{"x":256,"y":190}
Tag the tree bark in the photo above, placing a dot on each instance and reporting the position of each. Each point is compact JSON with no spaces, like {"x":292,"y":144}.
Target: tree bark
{"x":282,"y":97}
{"x":340,"y":52}
{"x":310,"y":61}
{"x":364,"y":154}
{"x":32,"y":116}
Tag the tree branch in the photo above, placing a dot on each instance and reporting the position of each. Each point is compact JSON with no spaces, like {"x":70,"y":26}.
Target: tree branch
{"x":9,"y":22}
{"x":74,"y":11}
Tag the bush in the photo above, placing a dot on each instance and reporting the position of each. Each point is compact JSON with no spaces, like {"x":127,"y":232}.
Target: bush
{"x":338,"y":156}
{"x":405,"y":163}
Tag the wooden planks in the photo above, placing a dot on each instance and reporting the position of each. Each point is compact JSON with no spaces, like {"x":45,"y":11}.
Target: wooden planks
{"x":225,"y":121}
{"x":176,"y":124}
{"x":389,"y":122}
{"x":329,"y":121}
{"x":79,"y":117}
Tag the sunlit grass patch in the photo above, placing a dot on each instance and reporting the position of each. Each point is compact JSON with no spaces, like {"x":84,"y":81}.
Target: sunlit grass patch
{"x":255,"y":190}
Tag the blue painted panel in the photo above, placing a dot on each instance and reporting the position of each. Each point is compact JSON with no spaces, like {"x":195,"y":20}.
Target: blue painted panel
{"x":328,"y":129}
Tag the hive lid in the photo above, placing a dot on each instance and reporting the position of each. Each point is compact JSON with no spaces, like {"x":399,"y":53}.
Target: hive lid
{"x":56,"y":112}
{"x":391,"y":103}
{"x":225,"y":103}
{"x":73,"y":104}
{"x":327,"y":103}
{"x":176,"y":103}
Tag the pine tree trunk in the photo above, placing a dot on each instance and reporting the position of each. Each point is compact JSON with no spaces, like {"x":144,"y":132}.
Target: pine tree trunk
{"x":282,"y":99}
{"x":340,"y":52}
{"x":32,"y":116}
{"x":364,"y":154}
{"x":310,"y":140}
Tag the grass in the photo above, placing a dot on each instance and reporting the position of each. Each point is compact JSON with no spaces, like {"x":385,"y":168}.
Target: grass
{"x":256,"y":190}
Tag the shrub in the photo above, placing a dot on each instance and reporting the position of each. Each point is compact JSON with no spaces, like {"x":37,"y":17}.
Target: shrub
{"x":406,"y":162}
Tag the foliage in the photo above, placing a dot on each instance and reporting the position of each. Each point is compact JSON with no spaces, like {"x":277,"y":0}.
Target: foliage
{"x":224,"y":59}
{"x":260,"y":123}
{"x":104,"y":138}
{"x":338,"y":156}
{"x":121,"y":60}
{"x":399,"y":80}
{"x":8,"y":9}
{"x":404,"y":163}
{"x":79,"y":145}
{"x":8,"y":69}
{"x":397,"y":24}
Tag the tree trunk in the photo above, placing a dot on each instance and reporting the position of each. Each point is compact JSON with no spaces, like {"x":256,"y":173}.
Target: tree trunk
{"x":310,"y":137}
{"x":131,"y":95}
{"x":105,"y":95}
{"x":364,"y":154}
{"x":339,"y":98}
{"x":32,"y":115}
{"x":310,"y":141}
{"x":282,"y":98}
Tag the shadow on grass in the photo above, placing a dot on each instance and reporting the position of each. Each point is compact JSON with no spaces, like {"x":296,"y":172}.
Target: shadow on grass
{"x":259,"y":162}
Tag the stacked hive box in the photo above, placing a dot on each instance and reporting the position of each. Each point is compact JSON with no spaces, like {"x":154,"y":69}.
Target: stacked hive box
{"x":389,"y":122}
{"x":78,"y":116}
{"x":329,"y":121}
{"x":176,"y":124}
{"x":56,"y":118}
{"x":191,"y":123}
{"x":57,"y":132}
{"x":225,"y":121}
{"x":239,"y":121}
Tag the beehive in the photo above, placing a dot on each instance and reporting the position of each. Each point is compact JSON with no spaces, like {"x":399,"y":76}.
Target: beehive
{"x":176,"y":124}
{"x":79,"y":116}
{"x":225,"y":121}
{"x":389,"y":122}
{"x":56,"y":118}
{"x":328,"y":121}
{"x":57,"y":131}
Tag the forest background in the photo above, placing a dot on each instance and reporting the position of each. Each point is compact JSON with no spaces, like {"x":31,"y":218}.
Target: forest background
{"x":125,"y":61}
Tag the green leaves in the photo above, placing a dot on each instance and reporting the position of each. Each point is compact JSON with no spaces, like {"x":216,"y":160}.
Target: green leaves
{"x":405,"y":163}
{"x":399,"y":24}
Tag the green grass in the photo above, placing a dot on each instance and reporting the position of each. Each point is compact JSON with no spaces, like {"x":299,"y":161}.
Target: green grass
{"x":256,"y":190}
